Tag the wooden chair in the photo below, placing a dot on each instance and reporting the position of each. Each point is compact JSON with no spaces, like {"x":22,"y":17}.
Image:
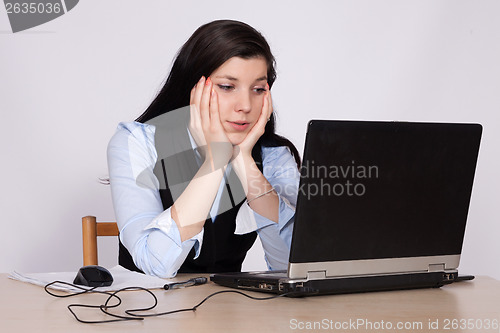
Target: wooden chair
{"x":90,"y":230}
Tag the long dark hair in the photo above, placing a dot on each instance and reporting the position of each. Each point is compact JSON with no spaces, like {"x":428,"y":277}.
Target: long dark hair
{"x":207,"y":49}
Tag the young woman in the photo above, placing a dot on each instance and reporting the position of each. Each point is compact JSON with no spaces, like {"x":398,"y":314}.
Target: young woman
{"x":201,"y":172}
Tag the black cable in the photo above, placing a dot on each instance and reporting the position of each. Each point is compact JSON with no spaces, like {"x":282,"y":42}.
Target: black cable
{"x":85,"y":290}
{"x":132,"y":317}
{"x":132,"y":313}
{"x":129,"y":312}
{"x":102,"y":307}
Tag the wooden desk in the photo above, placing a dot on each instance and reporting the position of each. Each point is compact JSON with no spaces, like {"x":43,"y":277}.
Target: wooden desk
{"x":27,"y":308}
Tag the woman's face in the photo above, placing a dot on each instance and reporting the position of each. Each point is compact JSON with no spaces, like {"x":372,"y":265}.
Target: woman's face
{"x":240,"y":85}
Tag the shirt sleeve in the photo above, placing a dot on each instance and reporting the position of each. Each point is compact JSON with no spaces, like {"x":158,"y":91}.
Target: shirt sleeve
{"x":280,"y":169}
{"x":146,"y":229}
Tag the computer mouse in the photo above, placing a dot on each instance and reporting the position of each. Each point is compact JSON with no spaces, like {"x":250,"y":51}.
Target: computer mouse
{"x":93,"y":276}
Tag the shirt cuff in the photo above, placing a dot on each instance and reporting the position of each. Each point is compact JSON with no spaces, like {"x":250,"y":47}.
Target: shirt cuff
{"x":166,"y":224}
{"x":247,"y":220}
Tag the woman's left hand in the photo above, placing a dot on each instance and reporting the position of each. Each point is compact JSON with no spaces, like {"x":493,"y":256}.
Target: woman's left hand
{"x":246,"y":146}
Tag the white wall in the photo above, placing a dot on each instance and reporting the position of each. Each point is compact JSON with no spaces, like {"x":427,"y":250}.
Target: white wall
{"x":65,"y":85}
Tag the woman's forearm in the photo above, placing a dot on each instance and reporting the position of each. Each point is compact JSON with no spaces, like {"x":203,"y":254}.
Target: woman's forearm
{"x":191,"y":209}
{"x":259,"y":192}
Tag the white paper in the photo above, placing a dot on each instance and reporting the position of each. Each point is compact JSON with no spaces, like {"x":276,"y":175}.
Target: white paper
{"x":122,"y":278}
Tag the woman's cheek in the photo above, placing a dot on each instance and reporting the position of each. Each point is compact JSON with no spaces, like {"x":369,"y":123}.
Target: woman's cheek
{"x":258,"y":102}
{"x":224,"y":109}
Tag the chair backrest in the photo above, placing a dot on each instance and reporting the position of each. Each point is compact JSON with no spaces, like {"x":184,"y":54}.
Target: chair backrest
{"x":90,"y":230}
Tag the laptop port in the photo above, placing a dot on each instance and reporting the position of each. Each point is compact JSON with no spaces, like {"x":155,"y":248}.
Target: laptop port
{"x":266,"y":286}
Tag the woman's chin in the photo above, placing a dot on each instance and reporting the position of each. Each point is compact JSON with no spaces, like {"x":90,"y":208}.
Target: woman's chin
{"x":236,"y":138}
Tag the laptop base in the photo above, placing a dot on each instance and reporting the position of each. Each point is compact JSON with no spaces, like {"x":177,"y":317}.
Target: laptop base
{"x":257,"y":281}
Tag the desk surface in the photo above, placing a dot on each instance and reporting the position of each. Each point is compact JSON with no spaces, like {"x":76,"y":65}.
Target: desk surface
{"x":461,"y":307}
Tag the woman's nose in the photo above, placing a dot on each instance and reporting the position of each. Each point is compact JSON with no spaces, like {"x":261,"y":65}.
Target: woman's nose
{"x":243,"y":102}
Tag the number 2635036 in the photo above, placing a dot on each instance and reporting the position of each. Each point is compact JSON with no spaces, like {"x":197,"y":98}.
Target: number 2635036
{"x":32,"y":8}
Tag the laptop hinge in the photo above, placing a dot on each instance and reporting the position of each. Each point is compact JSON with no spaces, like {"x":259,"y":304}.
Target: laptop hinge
{"x":316,"y":275}
{"x":436,"y":267}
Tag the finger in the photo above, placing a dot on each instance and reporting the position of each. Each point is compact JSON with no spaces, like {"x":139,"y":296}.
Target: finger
{"x":266,"y":107}
{"x":192,"y":104}
{"x":194,"y":116}
{"x":195,"y":124}
{"x":264,"y":112}
{"x":198,"y":90}
{"x":262,"y":120}
{"x":191,"y":95}
{"x":205,"y":102}
{"x":195,"y":95}
{"x":214,"y":108}
{"x":269,"y":103}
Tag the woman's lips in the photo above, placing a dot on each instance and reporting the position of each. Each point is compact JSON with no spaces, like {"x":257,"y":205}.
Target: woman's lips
{"x":239,"y":126}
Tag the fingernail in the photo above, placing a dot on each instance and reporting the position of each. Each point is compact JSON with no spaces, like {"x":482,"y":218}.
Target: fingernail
{"x":267,"y":86}
{"x":201,"y":79}
{"x":208,"y":81}
{"x":212,"y":93}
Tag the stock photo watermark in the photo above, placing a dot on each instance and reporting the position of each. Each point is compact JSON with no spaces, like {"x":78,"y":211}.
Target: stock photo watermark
{"x":24,"y":15}
{"x":429,"y":325}
{"x":336,"y":180}
{"x":332,"y":180}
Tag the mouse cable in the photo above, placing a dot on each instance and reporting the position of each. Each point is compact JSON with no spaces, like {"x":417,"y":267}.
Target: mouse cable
{"x":194,"y":308}
{"x":133,"y":313}
{"x":102,"y":307}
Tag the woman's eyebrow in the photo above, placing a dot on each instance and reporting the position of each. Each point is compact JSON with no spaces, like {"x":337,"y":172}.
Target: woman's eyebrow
{"x":229,"y":77}
{"x":232,"y":78}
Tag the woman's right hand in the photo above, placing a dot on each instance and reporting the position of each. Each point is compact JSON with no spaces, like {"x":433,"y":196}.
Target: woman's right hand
{"x":205,"y":125}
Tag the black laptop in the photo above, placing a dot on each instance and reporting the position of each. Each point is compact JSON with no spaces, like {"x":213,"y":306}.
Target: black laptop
{"x":381,"y":206}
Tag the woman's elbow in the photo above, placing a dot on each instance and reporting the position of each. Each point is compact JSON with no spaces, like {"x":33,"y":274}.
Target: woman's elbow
{"x":150,"y":265}
{"x":154,"y":262}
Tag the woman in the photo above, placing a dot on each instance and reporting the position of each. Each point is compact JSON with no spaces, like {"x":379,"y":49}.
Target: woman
{"x":181,"y":172}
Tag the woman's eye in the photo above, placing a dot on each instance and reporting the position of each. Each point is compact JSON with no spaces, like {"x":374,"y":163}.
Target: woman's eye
{"x":260,"y":90}
{"x":225,"y":87}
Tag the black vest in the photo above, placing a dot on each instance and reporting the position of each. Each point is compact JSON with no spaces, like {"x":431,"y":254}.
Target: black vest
{"x":222,"y":250}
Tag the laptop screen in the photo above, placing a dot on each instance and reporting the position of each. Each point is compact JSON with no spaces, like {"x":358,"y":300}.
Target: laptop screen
{"x":372,"y":190}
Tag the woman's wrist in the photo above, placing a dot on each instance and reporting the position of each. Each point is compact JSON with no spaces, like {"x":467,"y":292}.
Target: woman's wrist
{"x":242,"y":162}
{"x":217,"y":158}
